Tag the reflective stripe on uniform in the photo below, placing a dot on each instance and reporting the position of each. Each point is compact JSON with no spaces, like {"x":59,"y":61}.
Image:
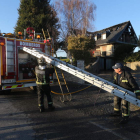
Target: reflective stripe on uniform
{"x":115,"y":77}
{"x":125,"y":114}
{"x":44,"y":79}
{"x":137,"y":91}
{"x":40,"y":104}
{"x":50,"y":103}
{"x":124,"y":80}
{"x":116,"y":109}
{"x":40,"y":83}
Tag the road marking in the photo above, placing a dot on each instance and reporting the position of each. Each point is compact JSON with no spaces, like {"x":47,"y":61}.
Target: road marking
{"x":109,"y":130}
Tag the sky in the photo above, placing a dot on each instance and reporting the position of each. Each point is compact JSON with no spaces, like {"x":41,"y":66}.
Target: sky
{"x":108,"y":13}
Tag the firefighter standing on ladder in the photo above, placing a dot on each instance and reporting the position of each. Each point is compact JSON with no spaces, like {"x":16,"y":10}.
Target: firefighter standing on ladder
{"x":43,"y":84}
{"x":124,"y":79}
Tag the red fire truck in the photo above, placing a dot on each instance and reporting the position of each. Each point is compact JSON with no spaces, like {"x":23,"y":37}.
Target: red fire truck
{"x":17,"y":67}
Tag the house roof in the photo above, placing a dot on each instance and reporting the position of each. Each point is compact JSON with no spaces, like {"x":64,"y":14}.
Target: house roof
{"x":115,"y":33}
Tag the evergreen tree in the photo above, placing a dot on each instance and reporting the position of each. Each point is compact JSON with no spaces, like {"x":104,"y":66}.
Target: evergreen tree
{"x":37,"y":14}
{"x":122,"y":52}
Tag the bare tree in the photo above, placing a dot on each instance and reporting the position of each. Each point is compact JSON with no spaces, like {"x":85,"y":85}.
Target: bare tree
{"x":75,"y":15}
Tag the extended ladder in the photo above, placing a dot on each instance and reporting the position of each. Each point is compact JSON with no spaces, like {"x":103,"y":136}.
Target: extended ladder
{"x":94,"y":80}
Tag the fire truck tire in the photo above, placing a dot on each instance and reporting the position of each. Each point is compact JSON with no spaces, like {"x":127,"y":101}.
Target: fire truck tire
{"x":7,"y":91}
{"x":2,"y":92}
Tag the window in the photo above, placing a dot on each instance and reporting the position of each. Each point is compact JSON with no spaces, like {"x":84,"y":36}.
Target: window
{"x":103,"y":36}
{"x":95,"y":38}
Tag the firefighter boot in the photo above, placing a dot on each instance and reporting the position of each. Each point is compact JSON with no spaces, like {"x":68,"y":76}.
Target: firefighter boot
{"x":41,"y":109}
{"x":124,"y":120}
{"x":51,"y":107}
{"x":115,"y":113}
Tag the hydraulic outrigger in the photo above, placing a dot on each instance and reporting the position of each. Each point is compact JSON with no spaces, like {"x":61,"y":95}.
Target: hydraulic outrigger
{"x":92,"y":79}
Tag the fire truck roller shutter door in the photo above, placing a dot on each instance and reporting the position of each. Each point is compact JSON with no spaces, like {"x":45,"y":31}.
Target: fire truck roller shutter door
{"x":1,"y":63}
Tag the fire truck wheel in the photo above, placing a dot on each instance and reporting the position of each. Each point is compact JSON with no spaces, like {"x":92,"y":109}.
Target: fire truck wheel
{"x":2,"y":92}
{"x":7,"y":91}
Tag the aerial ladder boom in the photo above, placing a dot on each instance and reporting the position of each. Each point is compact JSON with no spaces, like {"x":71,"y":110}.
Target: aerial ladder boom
{"x":86,"y":76}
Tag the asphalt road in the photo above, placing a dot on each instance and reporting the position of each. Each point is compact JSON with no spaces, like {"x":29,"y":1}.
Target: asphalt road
{"x":85,"y":117}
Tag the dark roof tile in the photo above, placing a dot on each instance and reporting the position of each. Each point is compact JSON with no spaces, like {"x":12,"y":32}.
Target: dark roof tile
{"x":115,"y":32}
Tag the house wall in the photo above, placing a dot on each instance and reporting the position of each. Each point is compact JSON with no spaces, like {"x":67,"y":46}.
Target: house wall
{"x":103,"y":48}
{"x":107,"y":49}
{"x":110,"y":47}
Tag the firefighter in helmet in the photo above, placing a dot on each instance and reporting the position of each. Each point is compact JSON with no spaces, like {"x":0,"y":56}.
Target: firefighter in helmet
{"x":43,"y":84}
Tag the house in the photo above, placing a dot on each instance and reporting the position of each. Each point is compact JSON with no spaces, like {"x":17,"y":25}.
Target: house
{"x":108,"y":39}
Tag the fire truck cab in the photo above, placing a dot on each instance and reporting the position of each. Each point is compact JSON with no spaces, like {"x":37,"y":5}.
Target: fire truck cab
{"x":18,"y":67}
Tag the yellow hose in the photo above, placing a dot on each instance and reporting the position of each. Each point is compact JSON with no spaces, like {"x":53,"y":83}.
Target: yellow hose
{"x":71,"y":92}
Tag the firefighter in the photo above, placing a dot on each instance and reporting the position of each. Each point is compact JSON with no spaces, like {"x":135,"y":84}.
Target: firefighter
{"x":43,"y":84}
{"x":124,"y":79}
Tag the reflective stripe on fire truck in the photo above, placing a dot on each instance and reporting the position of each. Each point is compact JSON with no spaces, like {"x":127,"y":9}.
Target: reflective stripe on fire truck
{"x":51,"y":81}
{"x":14,"y":86}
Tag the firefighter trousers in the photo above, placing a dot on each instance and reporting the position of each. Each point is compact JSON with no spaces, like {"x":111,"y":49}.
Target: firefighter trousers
{"x":121,"y":105}
{"x":41,"y":90}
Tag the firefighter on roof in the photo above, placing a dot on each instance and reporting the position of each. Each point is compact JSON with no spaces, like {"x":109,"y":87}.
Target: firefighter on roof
{"x":43,"y":84}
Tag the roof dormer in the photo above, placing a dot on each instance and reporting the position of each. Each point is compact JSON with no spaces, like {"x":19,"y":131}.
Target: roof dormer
{"x":105,"y":34}
{"x":97,"y":36}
